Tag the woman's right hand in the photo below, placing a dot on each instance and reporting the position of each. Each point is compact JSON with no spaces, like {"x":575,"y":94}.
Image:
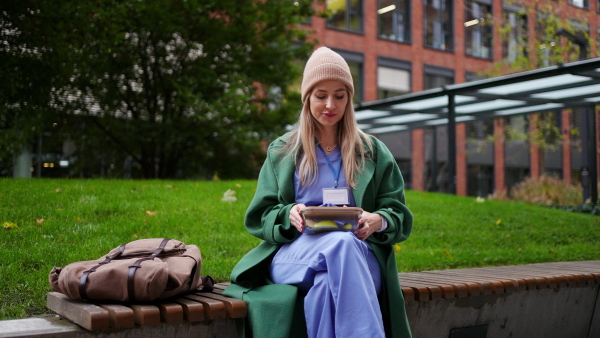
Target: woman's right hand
{"x":296,"y":219}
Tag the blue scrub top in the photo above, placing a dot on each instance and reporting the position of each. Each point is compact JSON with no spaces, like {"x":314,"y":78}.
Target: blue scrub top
{"x":313,"y":195}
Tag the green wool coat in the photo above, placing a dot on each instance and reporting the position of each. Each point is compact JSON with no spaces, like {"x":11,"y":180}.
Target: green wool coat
{"x":276,"y":310}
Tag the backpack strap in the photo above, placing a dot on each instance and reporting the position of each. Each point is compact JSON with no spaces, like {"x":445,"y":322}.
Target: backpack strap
{"x":84,"y":276}
{"x":138,"y":264}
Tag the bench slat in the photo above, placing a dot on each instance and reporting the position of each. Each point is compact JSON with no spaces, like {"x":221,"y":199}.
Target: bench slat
{"x":170,"y":312}
{"x":214,"y":309}
{"x":89,"y":316}
{"x":146,"y":314}
{"x":192,"y":311}
{"x":121,"y":317}
{"x":235,"y":308}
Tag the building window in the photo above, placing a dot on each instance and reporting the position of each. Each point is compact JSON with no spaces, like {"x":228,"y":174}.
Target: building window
{"x":580,"y":3}
{"x":394,"y":23}
{"x":581,"y":30}
{"x":514,"y":42}
{"x":355,"y":62}
{"x":546,"y":41}
{"x":393,"y":78}
{"x":438,"y":32}
{"x":345,"y":15}
{"x":478,"y":29}
{"x":435,"y":77}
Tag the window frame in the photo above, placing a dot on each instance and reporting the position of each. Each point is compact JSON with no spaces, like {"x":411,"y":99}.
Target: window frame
{"x":450,"y":24}
{"x":407,"y":39}
{"x":523,"y":17}
{"x":347,"y":19}
{"x":438,"y":71}
{"x":482,"y":29}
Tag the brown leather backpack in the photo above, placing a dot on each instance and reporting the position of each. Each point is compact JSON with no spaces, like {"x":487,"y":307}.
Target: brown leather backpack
{"x":142,"y":270}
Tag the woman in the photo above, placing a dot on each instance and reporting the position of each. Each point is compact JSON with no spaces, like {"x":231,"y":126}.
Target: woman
{"x":339,"y":283}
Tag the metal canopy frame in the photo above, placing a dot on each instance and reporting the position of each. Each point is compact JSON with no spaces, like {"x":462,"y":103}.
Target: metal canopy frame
{"x":565,"y":86}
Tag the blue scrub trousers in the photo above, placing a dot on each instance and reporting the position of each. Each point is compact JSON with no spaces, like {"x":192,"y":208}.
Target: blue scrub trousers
{"x":341,"y":278}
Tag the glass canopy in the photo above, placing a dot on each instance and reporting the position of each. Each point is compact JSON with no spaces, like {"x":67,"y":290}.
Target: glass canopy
{"x":554,"y":88}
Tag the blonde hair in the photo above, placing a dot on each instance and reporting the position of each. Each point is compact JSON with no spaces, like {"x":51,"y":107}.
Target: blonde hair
{"x":351,"y":140}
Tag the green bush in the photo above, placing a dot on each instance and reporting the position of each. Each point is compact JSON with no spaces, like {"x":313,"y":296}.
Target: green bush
{"x":546,"y":190}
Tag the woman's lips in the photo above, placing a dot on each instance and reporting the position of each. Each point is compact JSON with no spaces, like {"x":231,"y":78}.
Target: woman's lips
{"x":329,"y":114}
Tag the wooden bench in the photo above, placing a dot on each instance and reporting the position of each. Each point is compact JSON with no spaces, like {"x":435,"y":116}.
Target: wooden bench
{"x":190,"y":308}
{"x":447,"y":284}
{"x":533,"y":300}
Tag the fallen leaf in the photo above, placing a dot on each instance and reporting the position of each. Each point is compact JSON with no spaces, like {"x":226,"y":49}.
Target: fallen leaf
{"x":229,"y":196}
{"x":447,"y":254}
{"x":135,"y":236}
{"x":150,"y":213}
{"x":57,"y":190}
{"x":238,"y":185}
{"x":498,"y":222}
{"x":9,"y":225}
{"x":39,"y":221}
{"x":397,"y":248}
{"x":168,"y":186}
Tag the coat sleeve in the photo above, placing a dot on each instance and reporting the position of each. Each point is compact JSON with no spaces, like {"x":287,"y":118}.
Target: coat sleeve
{"x":267,"y":216}
{"x":390,"y":201}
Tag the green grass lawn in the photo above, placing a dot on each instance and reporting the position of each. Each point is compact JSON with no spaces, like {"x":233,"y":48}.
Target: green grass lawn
{"x":61,"y":221}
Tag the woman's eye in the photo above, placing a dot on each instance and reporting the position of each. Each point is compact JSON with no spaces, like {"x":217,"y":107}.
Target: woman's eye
{"x":339,"y":97}
{"x":320,"y":97}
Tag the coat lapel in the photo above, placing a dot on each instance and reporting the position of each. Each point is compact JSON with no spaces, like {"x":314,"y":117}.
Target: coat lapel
{"x":363,"y":179}
{"x":285,"y":180}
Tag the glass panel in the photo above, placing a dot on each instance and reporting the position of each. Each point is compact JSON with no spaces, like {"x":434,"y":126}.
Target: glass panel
{"x":478,"y":30}
{"x":402,"y":21}
{"x":355,"y":14}
{"x":447,"y":31}
{"x":514,"y":43}
{"x":438,"y":24}
{"x":337,"y":8}
{"x":345,"y":14}
{"x":393,"y":20}
{"x":386,"y":19}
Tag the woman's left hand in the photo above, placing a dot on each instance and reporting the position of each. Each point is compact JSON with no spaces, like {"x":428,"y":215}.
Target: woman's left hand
{"x":368,"y":223}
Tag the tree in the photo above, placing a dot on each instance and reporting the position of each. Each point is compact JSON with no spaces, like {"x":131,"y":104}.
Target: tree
{"x":176,"y":88}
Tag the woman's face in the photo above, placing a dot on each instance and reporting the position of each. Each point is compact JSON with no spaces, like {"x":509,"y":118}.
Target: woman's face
{"x":328,"y":102}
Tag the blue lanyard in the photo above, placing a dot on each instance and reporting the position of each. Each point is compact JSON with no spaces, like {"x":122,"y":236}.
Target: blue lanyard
{"x":336,"y":175}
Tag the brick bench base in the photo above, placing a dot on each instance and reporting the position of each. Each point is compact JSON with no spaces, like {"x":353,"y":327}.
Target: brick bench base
{"x":543,"y":300}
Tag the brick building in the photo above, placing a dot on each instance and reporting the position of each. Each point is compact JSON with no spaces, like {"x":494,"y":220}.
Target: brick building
{"x":395,"y":47}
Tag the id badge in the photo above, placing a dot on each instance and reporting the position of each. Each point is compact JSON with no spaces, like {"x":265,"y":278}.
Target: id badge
{"x":337,"y":196}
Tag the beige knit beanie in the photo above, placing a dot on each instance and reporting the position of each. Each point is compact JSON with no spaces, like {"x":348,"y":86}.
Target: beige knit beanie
{"x":325,"y":64}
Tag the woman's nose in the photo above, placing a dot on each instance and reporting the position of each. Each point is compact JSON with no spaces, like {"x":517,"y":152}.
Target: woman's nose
{"x":330,"y":103}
